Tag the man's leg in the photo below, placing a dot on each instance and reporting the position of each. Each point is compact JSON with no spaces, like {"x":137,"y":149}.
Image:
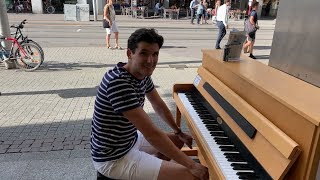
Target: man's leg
{"x":192,"y":15}
{"x":221,"y":33}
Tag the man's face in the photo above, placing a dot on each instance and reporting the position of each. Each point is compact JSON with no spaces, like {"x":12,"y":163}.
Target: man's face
{"x":143,"y":62}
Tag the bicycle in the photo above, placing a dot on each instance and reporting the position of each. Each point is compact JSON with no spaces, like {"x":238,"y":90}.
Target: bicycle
{"x":25,"y":39}
{"x":27,"y":56}
{"x":48,"y":7}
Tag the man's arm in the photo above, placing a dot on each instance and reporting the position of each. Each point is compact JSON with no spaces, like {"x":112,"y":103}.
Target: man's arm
{"x":162,"y":109}
{"x":156,"y":137}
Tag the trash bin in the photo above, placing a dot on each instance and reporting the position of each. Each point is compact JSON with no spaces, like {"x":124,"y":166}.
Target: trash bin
{"x":83,"y":13}
{"x":70,"y":12}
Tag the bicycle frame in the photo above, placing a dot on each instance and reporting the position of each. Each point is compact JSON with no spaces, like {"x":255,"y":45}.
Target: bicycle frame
{"x":14,"y":44}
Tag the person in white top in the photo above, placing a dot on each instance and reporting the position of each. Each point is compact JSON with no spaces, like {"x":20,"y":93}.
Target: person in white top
{"x":222,"y":21}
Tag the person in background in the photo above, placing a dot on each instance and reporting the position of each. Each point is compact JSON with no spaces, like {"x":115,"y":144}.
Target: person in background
{"x":125,"y":143}
{"x":253,"y":19}
{"x":200,"y":9}
{"x":214,"y":11}
{"x":110,"y":15}
{"x":158,"y":8}
{"x":192,"y":9}
{"x":205,"y":14}
{"x":222,"y":21}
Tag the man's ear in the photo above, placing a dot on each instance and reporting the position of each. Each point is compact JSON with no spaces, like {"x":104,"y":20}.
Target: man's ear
{"x":129,"y":53}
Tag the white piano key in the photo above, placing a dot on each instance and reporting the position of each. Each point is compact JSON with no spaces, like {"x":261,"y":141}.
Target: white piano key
{"x":223,"y":163}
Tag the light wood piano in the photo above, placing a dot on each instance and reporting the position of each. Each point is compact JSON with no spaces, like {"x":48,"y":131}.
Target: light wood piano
{"x":251,"y":121}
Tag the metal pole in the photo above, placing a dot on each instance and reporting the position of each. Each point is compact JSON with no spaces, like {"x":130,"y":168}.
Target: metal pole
{"x":4,"y":24}
{"x":94,"y":8}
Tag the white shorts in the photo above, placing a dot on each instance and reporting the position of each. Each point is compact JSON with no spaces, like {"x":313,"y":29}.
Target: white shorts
{"x":113,"y":28}
{"x":135,"y":165}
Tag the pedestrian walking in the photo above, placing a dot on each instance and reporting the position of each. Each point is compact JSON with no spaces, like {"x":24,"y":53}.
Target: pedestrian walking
{"x":192,"y":10}
{"x":109,"y":14}
{"x":222,"y":21}
{"x":125,"y":143}
{"x":253,"y":19}
{"x":200,"y":9}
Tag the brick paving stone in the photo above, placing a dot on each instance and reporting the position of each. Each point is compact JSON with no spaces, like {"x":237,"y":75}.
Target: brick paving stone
{"x":49,"y":140}
{"x":2,"y":151}
{"x":55,"y":148}
{"x":87,"y":146}
{"x":67,"y":142}
{"x":13,"y":150}
{"x":85,"y":142}
{"x":79,"y":146}
{"x":45,"y":148}
{"x":36,"y":145}
{"x":68,"y":147}
{"x":27,"y":149}
{"x":46,"y":144}
{"x":76,"y":142}
{"x":29,"y":141}
{"x":38,"y":141}
{"x":7,"y":142}
{"x":13,"y":146}
{"x":18,"y":141}
{"x":86,"y":138}
{"x":35,"y":149}
{"x":24,"y":145}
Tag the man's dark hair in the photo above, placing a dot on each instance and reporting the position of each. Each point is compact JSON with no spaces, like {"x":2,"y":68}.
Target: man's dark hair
{"x":255,"y":4}
{"x":144,"y":35}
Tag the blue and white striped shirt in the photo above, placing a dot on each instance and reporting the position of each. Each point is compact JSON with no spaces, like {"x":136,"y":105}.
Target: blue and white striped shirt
{"x":112,"y":134}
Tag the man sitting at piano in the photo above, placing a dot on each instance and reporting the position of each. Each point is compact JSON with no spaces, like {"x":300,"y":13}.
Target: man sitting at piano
{"x":125,"y":143}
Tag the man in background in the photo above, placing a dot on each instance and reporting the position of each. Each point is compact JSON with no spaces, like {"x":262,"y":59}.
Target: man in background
{"x":222,"y":21}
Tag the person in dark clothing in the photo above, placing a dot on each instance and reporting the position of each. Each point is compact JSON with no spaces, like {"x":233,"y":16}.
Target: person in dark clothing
{"x":253,"y":19}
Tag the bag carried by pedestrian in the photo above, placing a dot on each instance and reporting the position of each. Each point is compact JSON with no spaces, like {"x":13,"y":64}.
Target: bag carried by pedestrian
{"x":248,"y":27}
{"x":105,"y":23}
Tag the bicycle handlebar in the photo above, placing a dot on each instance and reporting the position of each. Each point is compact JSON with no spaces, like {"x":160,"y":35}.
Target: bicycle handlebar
{"x":20,"y":26}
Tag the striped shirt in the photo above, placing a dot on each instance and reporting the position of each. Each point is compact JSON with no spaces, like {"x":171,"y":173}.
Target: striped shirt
{"x":112,"y":134}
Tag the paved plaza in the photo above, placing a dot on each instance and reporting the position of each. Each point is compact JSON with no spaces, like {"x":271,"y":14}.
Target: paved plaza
{"x":45,"y":115}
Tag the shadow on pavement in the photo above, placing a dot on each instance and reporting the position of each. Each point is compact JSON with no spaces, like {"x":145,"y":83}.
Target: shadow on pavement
{"x":262,"y":47}
{"x":63,"y":93}
{"x":262,"y":56}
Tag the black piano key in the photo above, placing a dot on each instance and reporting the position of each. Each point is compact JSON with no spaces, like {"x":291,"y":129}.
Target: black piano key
{"x":228,"y":148}
{"x":217,"y":133}
{"x":248,"y":177}
{"x":235,"y":160}
{"x":247,"y":174}
{"x":241,"y":167}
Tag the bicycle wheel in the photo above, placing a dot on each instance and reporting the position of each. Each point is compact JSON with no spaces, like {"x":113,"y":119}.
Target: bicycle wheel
{"x":35,"y":43}
{"x":50,"y":9}
{"x":28,"y":57}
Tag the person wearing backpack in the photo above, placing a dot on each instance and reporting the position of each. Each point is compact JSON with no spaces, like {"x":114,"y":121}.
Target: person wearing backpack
{"x":251,"y":34}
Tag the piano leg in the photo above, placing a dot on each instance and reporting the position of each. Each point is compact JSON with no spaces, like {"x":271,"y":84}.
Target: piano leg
{"x":178,"y":117}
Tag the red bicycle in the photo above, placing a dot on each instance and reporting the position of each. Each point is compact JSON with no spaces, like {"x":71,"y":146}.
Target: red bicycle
{"x":27,"y":56}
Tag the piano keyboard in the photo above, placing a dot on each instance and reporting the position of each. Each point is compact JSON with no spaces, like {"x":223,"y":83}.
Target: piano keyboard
{"x":226,"y":154}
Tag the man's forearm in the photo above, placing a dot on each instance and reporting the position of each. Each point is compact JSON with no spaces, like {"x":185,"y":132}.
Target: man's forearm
{"x":166,"y":115}
{"x":164,"y":145}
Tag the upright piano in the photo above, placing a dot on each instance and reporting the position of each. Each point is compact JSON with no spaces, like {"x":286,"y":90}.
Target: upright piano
{"x":251,"y":121}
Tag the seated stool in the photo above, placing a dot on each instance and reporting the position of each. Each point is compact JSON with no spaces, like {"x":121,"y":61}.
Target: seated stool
{"x":102,"y":177}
